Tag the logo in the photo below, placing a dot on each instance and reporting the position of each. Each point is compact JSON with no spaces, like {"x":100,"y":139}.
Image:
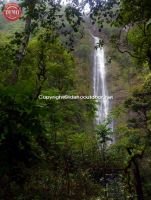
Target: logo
{"x":12,"y":11}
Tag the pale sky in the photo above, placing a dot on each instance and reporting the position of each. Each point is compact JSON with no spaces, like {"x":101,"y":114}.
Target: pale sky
{"x":86,"y":8}
{"x":64,"y":2}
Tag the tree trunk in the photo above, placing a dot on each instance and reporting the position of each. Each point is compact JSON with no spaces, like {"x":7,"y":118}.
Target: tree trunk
{"x":138,"y":184}
{"x":24,"y":43}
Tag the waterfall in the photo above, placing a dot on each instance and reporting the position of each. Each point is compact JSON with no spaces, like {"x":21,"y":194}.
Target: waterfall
{"x":99,"y":84}
{"x":111,"y":180}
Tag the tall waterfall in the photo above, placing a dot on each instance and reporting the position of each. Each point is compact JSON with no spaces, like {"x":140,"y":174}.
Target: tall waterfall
{"x":99,"y":84}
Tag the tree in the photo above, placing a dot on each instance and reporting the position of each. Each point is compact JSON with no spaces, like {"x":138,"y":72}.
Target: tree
{"x":133,"y":140}
{"x":104,"y":137}
{"x":45,"y":143}
{"x":132,"y":20}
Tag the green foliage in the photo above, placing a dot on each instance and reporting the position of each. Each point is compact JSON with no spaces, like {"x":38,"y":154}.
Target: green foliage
{"x":46,"y":146}
{"x":104,"y":133}
{"x":131,"y":34}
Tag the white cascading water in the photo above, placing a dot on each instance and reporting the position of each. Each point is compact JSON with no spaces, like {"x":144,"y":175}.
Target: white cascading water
{"x":99,"y":84}
{"x":103,"y":109}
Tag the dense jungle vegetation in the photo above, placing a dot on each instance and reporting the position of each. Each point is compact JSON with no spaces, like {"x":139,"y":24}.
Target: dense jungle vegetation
{"x":52,"y":149}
